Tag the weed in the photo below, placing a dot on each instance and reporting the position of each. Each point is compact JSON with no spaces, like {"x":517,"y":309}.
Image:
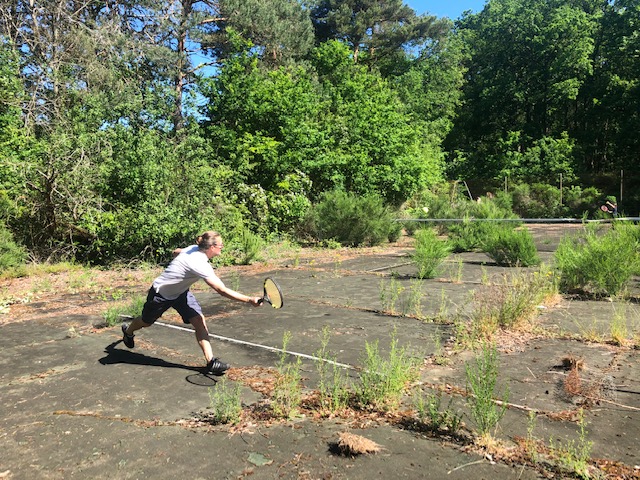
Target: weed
{"x":456,"y":271}
{"x":382,"y":381}
{"x":481,"y":383}
{"x":224,"y":401}
{"x":619,"y":329}
{"x":590,"y":332}
{"x":287,"y":390}
{"x":389,"y":295}
{"x":443,"y":308}
{"x":531,"y":444}
{"x":439,"y":358}
{"x":573,"y":457}
{"x":113,"y":315}
{"x":415,"y":299}
{"x":83,"y":280}
{"x":334,"y":384}
{"x":428,"y":409}
{"x":484,"y":279}
{"x":337,"y":265}
{"x":43,"y":284}
{"x":513,"y":303}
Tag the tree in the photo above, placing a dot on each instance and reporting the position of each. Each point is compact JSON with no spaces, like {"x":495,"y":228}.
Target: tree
{"x":280,"y":29}
{"x":528,"y":60}
{"x":12,"y":139}
{"x":372,"y":26}
{"x":608,"y":113}
{"x":375,"y":145}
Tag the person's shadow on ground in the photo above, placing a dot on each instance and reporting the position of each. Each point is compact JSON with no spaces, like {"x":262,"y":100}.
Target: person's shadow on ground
{"x":118,"y":355}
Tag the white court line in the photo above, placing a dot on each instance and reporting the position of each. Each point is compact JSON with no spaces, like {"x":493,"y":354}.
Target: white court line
{"x":265,"y":347}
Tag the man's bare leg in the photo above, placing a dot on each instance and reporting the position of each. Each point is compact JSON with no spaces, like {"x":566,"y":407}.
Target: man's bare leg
{"x":202,"y":336}
{"x":136,"y":324}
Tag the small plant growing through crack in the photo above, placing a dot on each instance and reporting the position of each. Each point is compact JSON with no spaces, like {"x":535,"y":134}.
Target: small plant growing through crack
{"x":482,"y":378}
{"x":430,"y":413}
{"x":573,"y":456}
{"x":224,"y":402}
{"x":334,"y":384}
{"x":383,"y":380}
{"x":287,"y":390}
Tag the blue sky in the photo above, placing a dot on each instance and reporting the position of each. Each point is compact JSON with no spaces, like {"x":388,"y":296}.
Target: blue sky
{"x":445,"y":8}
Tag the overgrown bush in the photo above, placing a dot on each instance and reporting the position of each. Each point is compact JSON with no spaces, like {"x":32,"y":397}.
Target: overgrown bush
{"x":453,"y":203}
{"x":599,"y":263}
{"x":510,"y":247}
{"x":352,"y":220}
{"x":430,"y":251}
{"x":541,"y":200}
{"x":251,"y":246}
{"x":12,"y":255}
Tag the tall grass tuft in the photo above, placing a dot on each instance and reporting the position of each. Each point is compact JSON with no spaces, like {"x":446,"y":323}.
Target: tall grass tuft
{"x":511,"y":304}
{"x":429,"y":411}
{"x":334,"y":383}
{"x":114,"y":314}
{"x":514,"y":301}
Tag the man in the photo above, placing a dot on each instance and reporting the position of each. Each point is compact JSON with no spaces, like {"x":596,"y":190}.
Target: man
{"x":171,"y":290}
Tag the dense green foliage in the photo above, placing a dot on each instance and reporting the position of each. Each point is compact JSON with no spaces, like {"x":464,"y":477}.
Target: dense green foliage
{"x":128,"y":128}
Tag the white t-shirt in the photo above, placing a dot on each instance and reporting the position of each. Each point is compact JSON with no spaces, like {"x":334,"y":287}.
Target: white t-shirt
{"x":187,"y":268}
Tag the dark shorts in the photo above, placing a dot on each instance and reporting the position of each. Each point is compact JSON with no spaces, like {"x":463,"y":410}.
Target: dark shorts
{"x":186,"y":305}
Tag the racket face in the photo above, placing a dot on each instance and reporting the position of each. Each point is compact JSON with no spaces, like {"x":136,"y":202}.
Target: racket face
{"x":272,"y":293}
{"x":604,"y":208}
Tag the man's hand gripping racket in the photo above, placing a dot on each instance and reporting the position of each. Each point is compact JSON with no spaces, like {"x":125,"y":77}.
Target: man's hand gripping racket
{"x":272,"y":293}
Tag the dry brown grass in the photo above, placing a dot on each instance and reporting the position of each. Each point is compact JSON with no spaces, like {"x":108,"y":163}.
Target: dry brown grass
{"x":352,"y":444}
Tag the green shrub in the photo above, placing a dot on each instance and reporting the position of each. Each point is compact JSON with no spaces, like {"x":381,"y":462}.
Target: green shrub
{"x":510,"y":247}
{"x":468,"y":235}
{"x":12,"y":255}
{"x":429,"y":253}
{"x":351,"y":220}
{"x":599,"y":263}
